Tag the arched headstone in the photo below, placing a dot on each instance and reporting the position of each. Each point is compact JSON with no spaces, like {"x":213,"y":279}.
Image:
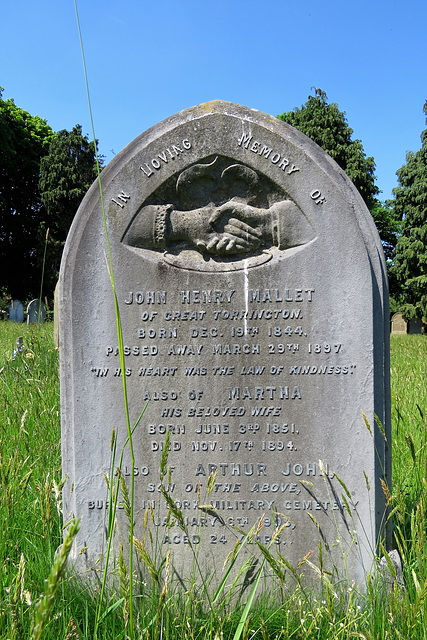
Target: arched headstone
{"x":36,"y":312}
{"x":399,"y":324}
{"x":252,"y":290}
{"x":16,"y":311}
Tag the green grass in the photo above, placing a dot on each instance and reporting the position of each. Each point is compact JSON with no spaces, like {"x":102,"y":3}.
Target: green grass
{"x":409,"y":413}
{"x":38,"y":601}
{"x":30,"y":473}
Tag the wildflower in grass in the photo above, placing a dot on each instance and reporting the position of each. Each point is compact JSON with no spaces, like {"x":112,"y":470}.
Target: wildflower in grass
{"x":19,"y":348}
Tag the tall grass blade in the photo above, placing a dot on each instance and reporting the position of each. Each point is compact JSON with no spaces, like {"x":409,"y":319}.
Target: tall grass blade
{"x":248,"y":606}
{"x":45,"y":604}
{"x":121,"y":358}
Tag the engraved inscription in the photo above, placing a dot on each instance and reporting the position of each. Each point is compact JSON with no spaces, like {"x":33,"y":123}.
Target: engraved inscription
{"x":253,"y":419}
{"x":165,"y":156}
{"x":121,"y":199}
{"x":317,"y":197}
{"x":247,"y":141}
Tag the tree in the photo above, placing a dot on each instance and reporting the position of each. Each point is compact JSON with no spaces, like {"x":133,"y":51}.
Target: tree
{"x":410,"y":206}
{"x":24,"y":140}
{"x":389,"y":228}
{"x":327,"y":126}
{"x":43,"y":177}
{"x":66,"y":173}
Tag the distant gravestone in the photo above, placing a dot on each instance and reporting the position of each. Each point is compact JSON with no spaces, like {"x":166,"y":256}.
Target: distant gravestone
{"x":415,"y":326}
{"x":36,"y":312}
{"x":399,"y":324}
{"x":252,"y":291}
{"x":16,"y":311}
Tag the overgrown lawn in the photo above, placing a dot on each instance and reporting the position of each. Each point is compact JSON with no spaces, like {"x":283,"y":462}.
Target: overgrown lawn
{"x":31,"y":528}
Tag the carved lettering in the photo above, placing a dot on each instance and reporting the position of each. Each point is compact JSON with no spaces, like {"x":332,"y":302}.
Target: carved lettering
{"x":246,"y":141}
{"x":170,"y":153}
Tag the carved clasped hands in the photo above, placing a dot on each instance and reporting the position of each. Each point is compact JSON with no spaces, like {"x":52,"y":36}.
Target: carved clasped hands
{"x":223,"y":230}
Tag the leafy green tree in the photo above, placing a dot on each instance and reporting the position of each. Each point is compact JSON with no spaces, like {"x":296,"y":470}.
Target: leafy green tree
{"x":24,"y":140}
{"x":328,"y":127}
{"x":66,"y":173}
{"x":389,"y":228}
{"x":43,"y":177}
{"x":410,"y":206}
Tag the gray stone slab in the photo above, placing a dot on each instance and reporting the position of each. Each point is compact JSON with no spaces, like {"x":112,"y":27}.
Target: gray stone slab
{"x":252,"y":291}
{"x":16,"y":311}
{"x":36,"y":312}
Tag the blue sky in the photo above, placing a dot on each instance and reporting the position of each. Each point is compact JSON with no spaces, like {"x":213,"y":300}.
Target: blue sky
{"x":148,"y":60}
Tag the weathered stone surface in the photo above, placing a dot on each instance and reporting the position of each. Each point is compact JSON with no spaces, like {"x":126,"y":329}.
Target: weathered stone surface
{"x":252,"y":291}
{"x":55,"y":318}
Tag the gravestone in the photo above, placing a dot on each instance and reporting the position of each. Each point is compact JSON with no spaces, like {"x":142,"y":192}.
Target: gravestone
{"x":36,"y":312}
{"x":16,"y":311}
{"x":399,"y":324}
{"x":415,"y":326}
{"x":252,"y":291}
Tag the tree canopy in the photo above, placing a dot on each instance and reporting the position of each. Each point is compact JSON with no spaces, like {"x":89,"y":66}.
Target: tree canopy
{"x":324,"y":123}
{"x":410,"y":206}
{"x":328,"y":127}
{"x":43,"y":177}
{"x":66,"y":173}
{"x":24,"y":141}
